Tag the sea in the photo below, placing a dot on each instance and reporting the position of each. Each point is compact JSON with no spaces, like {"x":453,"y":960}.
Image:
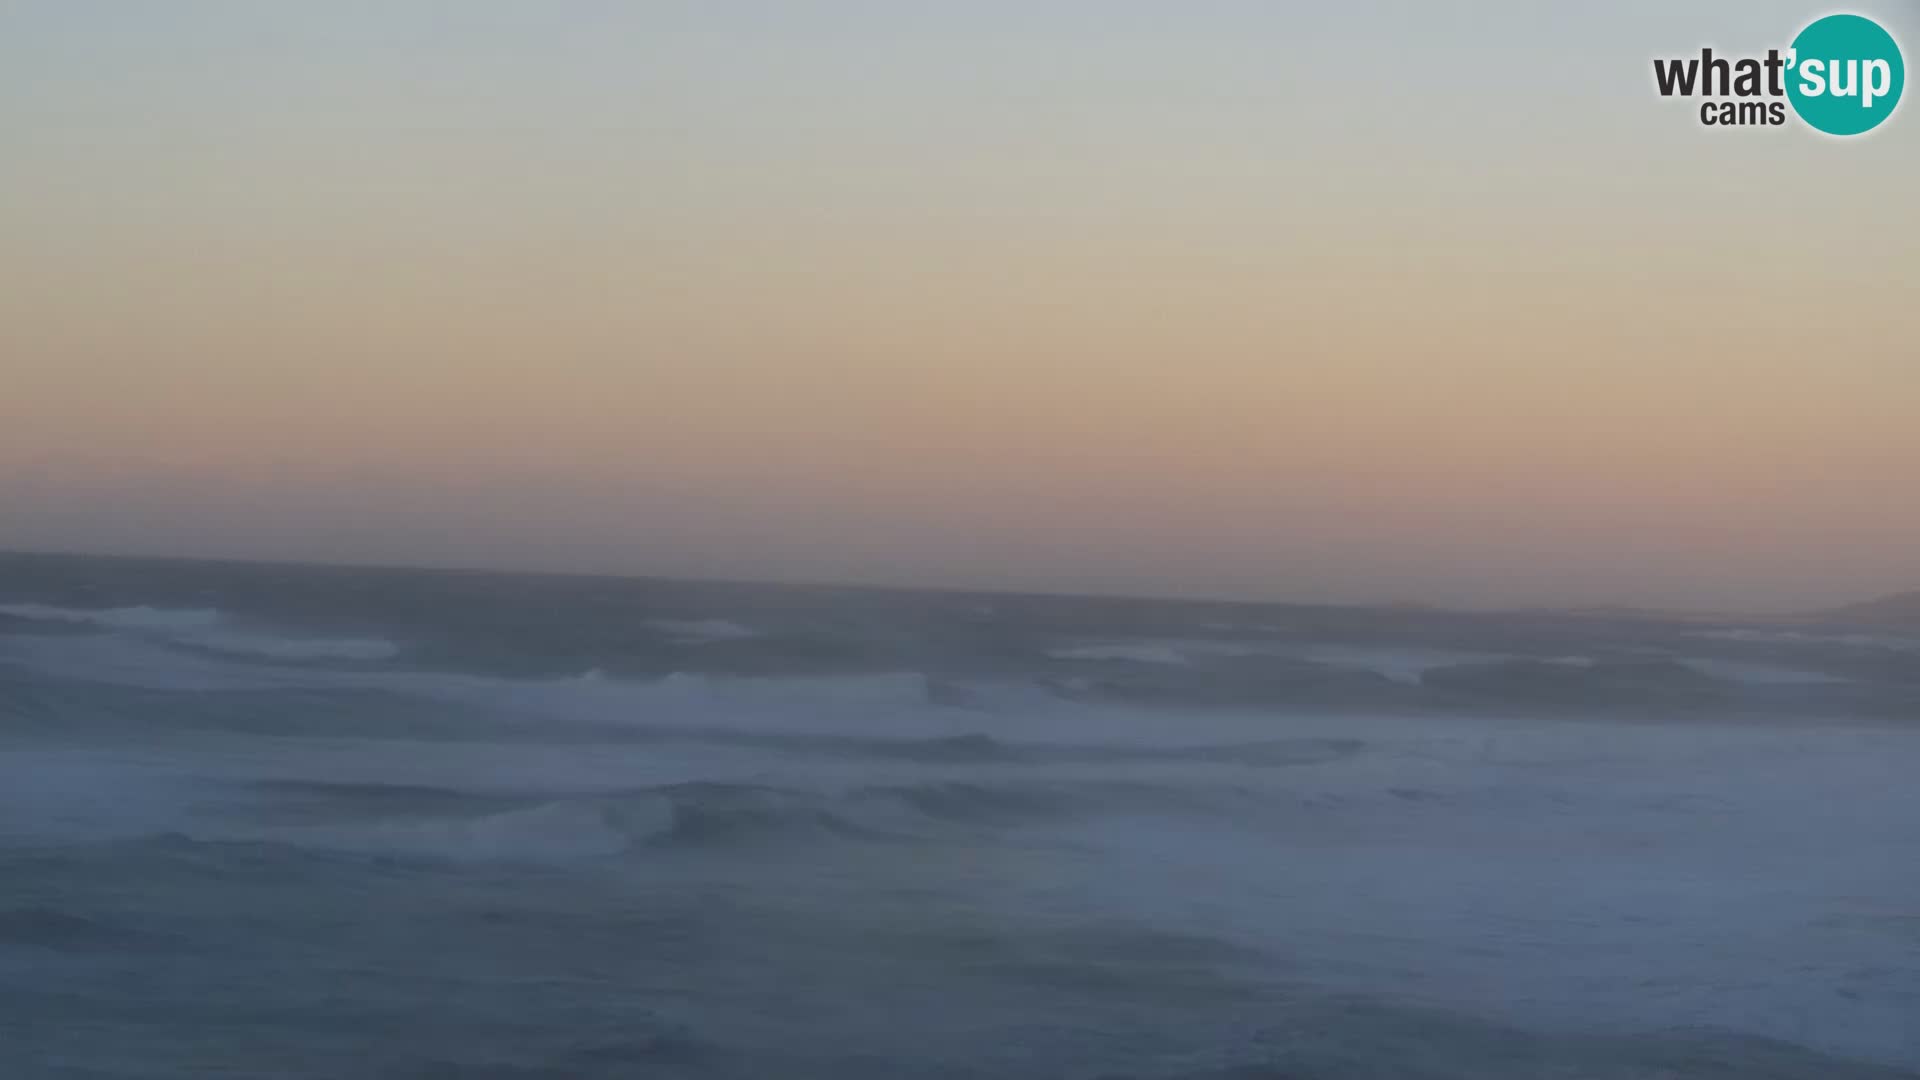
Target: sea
{"x":267,"y":820}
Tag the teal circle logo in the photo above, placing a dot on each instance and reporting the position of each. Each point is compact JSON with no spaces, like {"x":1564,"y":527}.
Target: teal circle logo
{"x":1845,"y":75}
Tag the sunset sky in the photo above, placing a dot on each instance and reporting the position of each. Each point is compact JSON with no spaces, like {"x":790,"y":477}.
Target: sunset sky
{"x":1354,"y":302}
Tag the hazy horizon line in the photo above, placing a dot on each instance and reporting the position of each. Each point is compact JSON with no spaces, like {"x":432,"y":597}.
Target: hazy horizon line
{"x":955,"y":589}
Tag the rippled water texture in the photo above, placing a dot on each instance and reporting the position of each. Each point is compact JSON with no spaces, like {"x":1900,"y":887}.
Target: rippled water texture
{"x":281,"y":821}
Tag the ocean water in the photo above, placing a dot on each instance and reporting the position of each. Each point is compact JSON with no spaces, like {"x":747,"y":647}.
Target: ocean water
{"x":316,"y":822}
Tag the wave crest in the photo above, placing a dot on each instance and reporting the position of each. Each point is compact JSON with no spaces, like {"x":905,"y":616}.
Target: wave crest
{"x":142,"y":619}
{"x":688,"y":814}
{"x":209,"y":629}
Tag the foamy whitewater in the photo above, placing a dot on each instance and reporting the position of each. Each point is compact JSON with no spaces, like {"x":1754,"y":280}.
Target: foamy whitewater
{"x":311,"y":822}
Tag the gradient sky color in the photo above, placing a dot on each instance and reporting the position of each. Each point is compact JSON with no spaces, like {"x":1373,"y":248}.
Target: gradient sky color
{"x":1358,"y":302}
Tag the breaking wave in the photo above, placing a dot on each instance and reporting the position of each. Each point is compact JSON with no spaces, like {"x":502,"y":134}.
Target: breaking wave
{"x":412,"y":821}
{"x":1137,"y":653}
{"x":142,"y":619}
{"x":556,"y":825}
{"x":1577,"y":680}
{"x":208,"y":629}
{"x":1750,"y":636}
{"x":280,"y":648}
{"x":702,"y":631}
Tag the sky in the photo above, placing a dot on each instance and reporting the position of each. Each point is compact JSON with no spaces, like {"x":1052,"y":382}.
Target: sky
{"x":1358,"y":302}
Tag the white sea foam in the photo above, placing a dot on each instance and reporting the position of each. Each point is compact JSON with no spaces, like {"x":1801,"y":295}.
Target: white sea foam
{"x":1559,"y":875}
{"x":151,"y":620}
{"x":888,"y":688}
{"x":1761,"y":674}
{"x":1750,"y":635}
{"x":280,"y":648}
{"x":1133,"y":653}
{"x":211,"y":629}
{"x":1401,"y":664}
{"x":702,"y":631}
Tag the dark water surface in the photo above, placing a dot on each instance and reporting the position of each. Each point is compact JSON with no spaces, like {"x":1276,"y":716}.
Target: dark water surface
{"x":297,"y":821}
